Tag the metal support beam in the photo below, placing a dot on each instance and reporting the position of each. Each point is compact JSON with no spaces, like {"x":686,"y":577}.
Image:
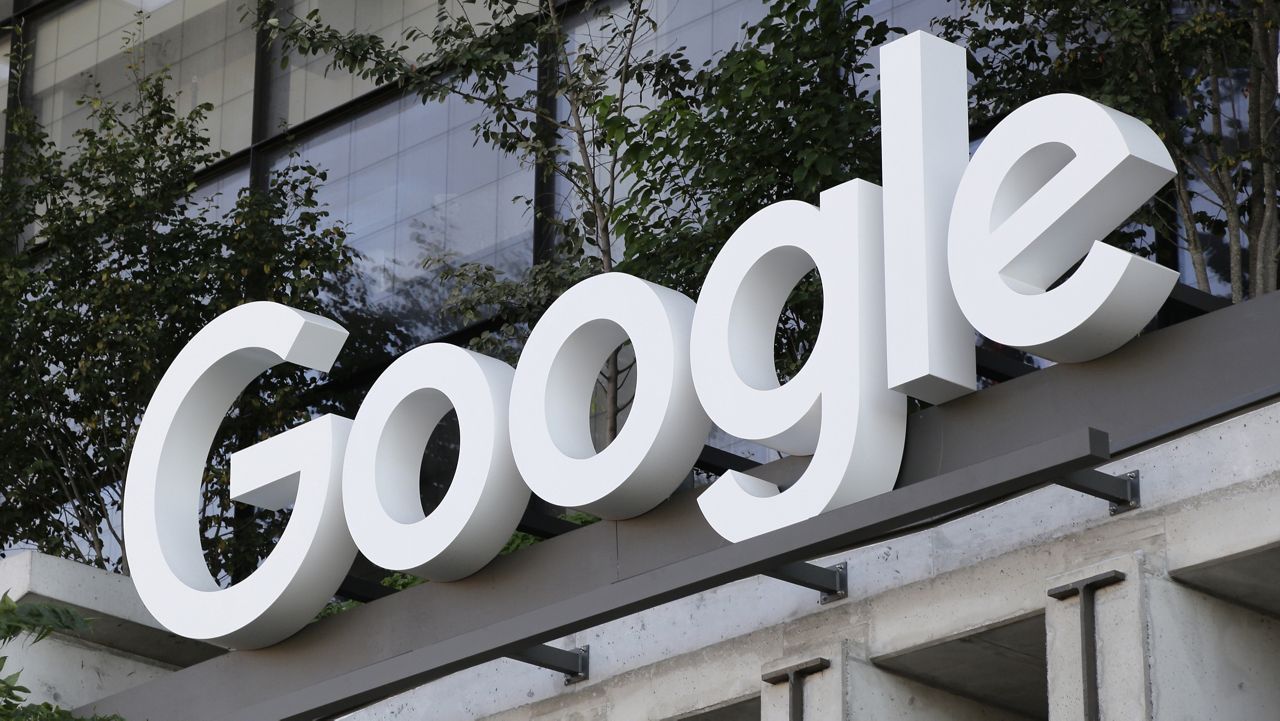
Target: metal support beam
{"x":544,"y":526}
{"x":575,"y":663}
{"x":794,"y":676}
{"x":1123,"y":491}
{"x":1088,"y":634}
{"x":831,"y":581}
{"x":1000,"y":366}
{"x":1187,"y":302}
{"x":717,"y":462}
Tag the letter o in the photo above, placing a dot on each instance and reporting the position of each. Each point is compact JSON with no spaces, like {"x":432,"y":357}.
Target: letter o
{"x":666,"y":427}
{"x":486,"y":498}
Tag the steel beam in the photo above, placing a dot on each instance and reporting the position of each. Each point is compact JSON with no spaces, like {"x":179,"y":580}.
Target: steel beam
{"x":794,"y":677}
{"x":575,"y":663}
{"x":716,"y":461}
{"x":830,"y":581}
{"x":1086,"y":590}
{"x":599,"y":573}
{"x":1123,"y":491}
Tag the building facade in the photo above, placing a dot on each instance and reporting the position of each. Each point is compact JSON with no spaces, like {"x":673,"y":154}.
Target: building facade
{"x":1044,"y":602}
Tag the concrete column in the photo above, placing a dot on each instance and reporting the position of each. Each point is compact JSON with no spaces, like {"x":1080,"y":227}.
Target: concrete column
{"x":1166,"y":652}
{"x":852,"y":689}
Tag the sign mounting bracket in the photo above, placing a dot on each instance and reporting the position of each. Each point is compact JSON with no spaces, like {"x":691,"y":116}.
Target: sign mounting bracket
{"x":831,"y":581}
{"x":574,"y":663}
{"x":1123,"y":491}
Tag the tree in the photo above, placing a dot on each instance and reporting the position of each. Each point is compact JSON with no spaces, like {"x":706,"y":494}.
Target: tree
{"x":116,"y":262}
{"x":513,"y":57}
{"x":1201,"y":73}
{"x":786,"y":114}
{"x":657,"y":161}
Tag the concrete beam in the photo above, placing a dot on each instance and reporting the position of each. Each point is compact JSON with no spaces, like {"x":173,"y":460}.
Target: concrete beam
{"x":119,"y":620}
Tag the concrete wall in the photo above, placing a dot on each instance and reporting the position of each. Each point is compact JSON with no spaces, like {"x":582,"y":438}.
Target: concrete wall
{"x":68,"y":672}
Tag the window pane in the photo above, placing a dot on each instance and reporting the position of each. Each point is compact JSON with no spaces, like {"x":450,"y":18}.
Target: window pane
{"x":412,"y":186}
{"x":220,"y":194}
{"x":304,"y":89}
{"x":204,"y":45}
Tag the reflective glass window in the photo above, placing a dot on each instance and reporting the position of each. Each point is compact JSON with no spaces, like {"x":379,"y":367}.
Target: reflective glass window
{"x":704,"y":29}
{"x":203,"y":43}
{"x":305,"y":88}
{"x":412,"y":184}
{"x":220,"y":193}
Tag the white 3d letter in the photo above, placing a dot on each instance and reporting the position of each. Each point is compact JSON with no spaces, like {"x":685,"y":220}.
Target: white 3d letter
{"x":380,"y":478}
{"x":1049,"y":181}
{"x":551,"y":396}
{"x":838,"y":408}
{"x":925,"y":148}
{"x":162,"y":492}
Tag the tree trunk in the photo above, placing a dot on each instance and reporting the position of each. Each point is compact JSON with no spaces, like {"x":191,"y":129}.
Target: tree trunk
{"x":1194,"y":248}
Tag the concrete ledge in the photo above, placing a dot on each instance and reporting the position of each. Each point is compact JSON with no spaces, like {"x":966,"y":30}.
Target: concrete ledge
{"x":118,"y":620}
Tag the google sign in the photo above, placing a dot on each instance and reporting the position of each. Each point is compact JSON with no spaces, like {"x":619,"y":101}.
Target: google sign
{"x":950,"y":245}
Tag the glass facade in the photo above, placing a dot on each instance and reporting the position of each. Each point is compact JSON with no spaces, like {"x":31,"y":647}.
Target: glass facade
{"x":409,"y":180}
{"x":411,"y":183}
{"x":221,"y":192}
{"x":304,"y":89}
{"x":704,"y":29}
{"x":208,"y":50}
{"x":6,"y":51}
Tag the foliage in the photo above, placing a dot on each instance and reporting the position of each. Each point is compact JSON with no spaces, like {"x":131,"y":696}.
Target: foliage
{"x":786,"y":114}
{"x":508,"y":55}
{"x":653,"y":160}
{"x":37,"y":621}
{"x":1201,"y":73}
{"x":116,"y":260}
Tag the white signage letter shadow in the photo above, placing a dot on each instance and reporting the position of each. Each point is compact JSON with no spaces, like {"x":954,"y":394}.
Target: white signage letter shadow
{"x":838,"y":408}
{"x":1051,"y":179}
{"x":162,"y":492}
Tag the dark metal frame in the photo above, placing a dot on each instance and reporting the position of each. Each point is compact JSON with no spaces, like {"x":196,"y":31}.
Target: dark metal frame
{"x":794,"y":677}
{"x":832,"y":582}
{"x":1087,"y":589}
{"x":575,"y":663}
{"x":1124,"y":491}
